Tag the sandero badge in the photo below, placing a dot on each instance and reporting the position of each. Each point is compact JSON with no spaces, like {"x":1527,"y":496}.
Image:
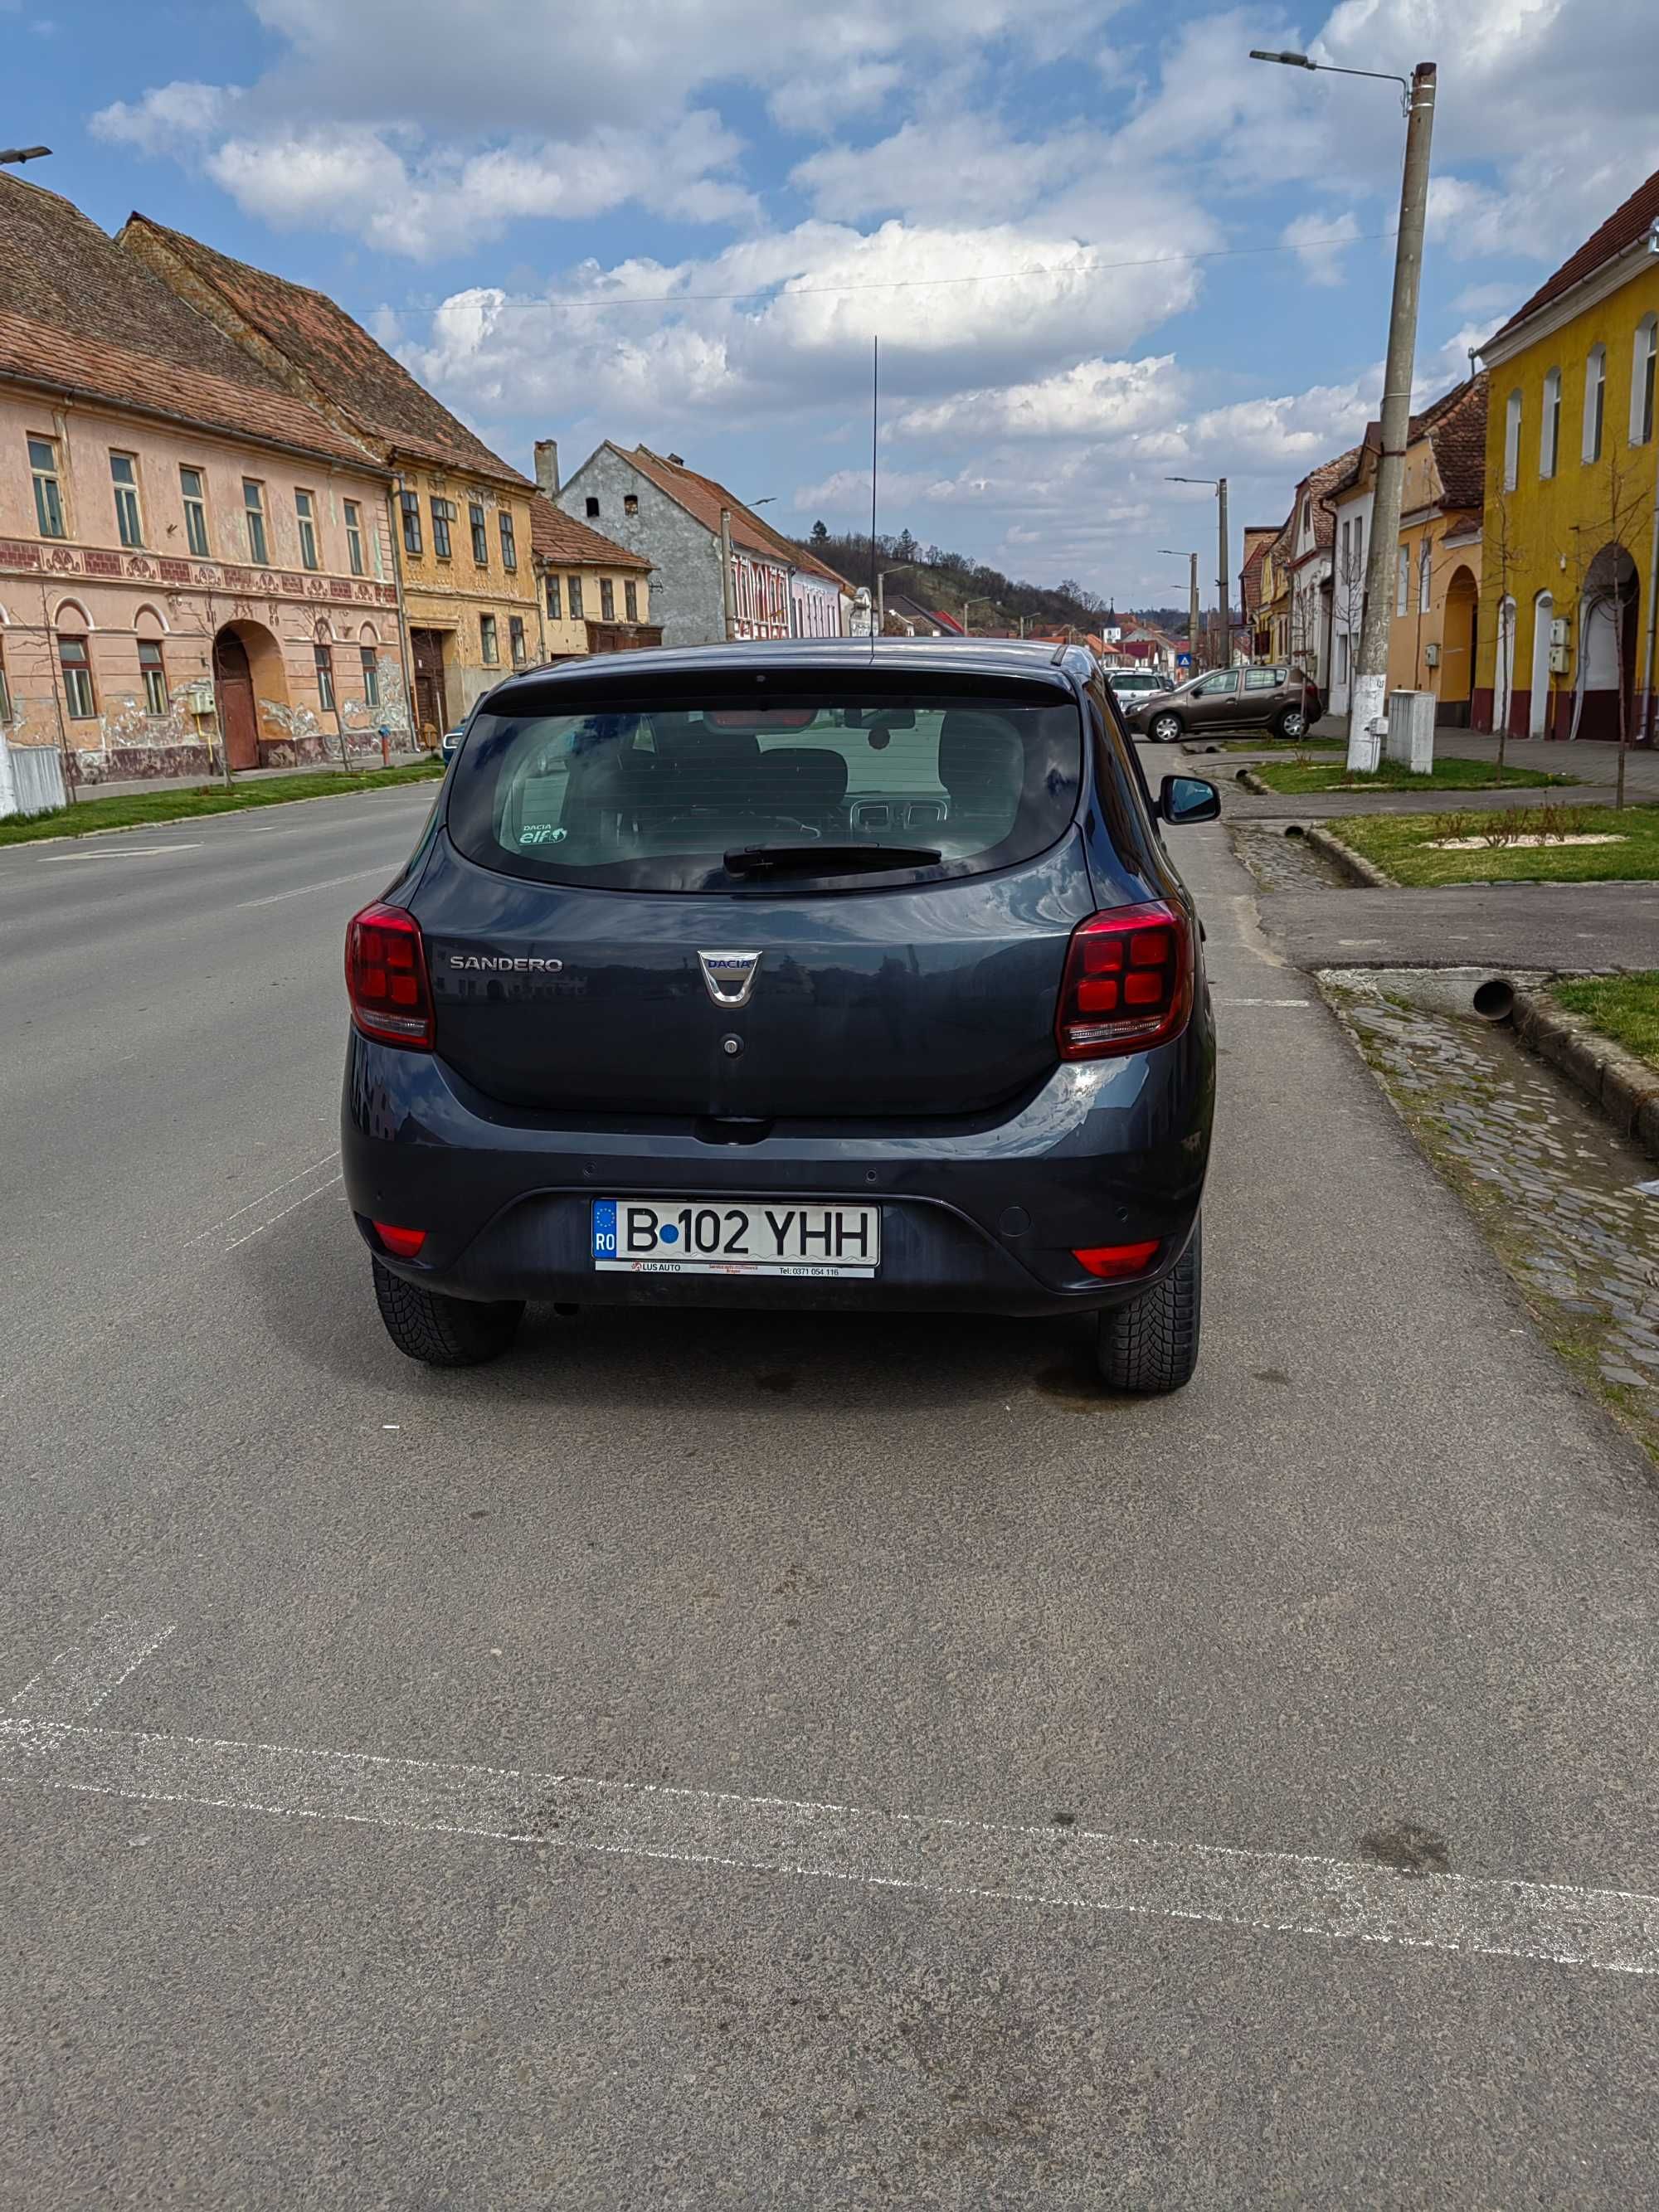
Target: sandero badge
{"x":882,"y":992}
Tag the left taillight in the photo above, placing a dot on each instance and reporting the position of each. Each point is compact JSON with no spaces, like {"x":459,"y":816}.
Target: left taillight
{"x":1128,"y":982}
{"x":385,"y":977}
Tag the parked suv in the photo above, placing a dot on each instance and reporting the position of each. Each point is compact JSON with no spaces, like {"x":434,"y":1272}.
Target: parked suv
{"x":828,"y":974}
{"x":1278,"y":699}
{"x":1131,"y":685}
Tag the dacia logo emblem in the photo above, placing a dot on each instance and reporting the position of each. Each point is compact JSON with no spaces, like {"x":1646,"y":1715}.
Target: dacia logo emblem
{"x":730,"y":976}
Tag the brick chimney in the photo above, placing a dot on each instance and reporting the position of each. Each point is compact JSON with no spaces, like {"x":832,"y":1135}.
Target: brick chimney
{"x":547,"y":465}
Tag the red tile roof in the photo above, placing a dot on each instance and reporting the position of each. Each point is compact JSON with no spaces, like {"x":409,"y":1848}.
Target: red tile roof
{"x":332,"y":358}
{"x":1455,"y":426}
{"x":559,"y":536}
{"x":1622,"y":228}
{"x":704,"y":497}
{"x":85,"y":317}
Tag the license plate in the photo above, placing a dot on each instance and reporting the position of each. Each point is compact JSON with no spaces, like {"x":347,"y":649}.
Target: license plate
{"x":692,"y":1237}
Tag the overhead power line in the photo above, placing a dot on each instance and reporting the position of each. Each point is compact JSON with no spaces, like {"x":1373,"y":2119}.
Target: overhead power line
{"x":913,"y":284}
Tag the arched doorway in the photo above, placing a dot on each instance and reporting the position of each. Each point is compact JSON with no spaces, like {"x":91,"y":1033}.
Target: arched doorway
{"x":1607,"y":624}
{"x":1457,"y":646}
{"x":247,"y":670}
{"x":1502,"y":674}
{"x":1538,"y":704}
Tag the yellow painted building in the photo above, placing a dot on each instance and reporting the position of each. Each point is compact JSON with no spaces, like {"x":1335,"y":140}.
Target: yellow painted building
{"x":596,"y":595}
{"x":1565,"y":633}
{"x":462,"y":543}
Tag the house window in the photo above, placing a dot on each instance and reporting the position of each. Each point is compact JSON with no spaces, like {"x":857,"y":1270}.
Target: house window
{"x":1342,"y":656}
{"x":1307,"y":515}
{"x":1549,"y":430}
{"x":492,"y":651}
{"x":304,"y":509}
{"x":1402,"y":579}
{"x":555,"y":611}
{"x":48,"y":491}
{"x":443,"y":513}
{"x":196,"y":534}
{"x":1511,"y":441}
{"x":254,"y":513}
{"x":324,"y":658}
{"x":474,"y":515}
{"x":575,"y":583}
{"x":1425,"y":576}
{"x":1641,"y":380}
{"x":631,"y":502}
{"x":411,"y":503}
{"x":515,"y":639}
{"x":371,"y":676}
{"x":607,"y":599}
{"x":354,"y":523}
{"x":154,"y":676}
{"x":129,"y":522}
{"x":78,"y":679}
{"x":1595,"y":392}
{"x":592,"y":508}
{"x":631,"y":601}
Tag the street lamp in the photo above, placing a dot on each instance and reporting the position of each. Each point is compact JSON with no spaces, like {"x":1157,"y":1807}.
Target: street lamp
{"x":22,"y":154}
{"x":1218,"y":486}
{"x":968,"y":607}
{"x":1369,"y":694}
{"x":1191,"y":605}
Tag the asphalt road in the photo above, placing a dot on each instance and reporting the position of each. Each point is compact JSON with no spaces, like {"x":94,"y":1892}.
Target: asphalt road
{"x":919,"y":1623}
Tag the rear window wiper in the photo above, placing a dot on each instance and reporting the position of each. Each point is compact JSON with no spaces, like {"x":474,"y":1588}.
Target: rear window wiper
{"x":827,"y":860}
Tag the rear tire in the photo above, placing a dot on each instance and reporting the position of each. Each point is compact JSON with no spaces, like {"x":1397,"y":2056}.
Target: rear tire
{"x":443,"y":1332}
{"x":1293,"y":723}
{"x":1151,"y":1345}
{"x":1164,"y":729}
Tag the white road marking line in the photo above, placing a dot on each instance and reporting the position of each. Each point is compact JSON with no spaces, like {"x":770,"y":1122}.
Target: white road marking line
{"x":263,"y":1198}
{"x":260,"y":1227}
{"x":1263,"y":1002}
{"x":373,"y":868}
{"x":1613,"y":1930}
{"x":79,"y":1680}
{"x":120,"y":853}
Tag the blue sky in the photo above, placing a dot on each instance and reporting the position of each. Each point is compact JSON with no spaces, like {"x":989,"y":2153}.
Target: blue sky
{"x":1099,"y":245}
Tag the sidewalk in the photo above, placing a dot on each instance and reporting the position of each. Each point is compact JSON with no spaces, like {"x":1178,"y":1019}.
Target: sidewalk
{"x":1588,"y":762}
{"x":129,"y":787}
{"x":1553,"y":928}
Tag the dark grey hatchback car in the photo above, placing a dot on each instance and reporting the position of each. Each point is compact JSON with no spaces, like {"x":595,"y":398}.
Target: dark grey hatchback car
{"x":830,"y":974}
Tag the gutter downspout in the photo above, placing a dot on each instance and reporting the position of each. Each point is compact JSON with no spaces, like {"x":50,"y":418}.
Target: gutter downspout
{"x":1646,"y":737}
{"x":405,"y":648}
{"x":728,"y":581}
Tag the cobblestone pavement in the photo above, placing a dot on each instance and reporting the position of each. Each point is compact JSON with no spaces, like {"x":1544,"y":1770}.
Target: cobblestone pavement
{"x":1280,"y":862}
{"x":1561,"y":1197}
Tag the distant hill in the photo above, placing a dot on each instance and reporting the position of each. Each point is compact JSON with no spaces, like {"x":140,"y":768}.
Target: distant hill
{"x":942,"y":581}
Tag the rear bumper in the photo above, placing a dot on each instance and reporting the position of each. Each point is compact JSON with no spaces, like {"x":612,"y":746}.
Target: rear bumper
{"x":976,"y":1217}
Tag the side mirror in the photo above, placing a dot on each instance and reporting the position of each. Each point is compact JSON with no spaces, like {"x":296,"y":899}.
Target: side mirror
{"x":1187,"y":798}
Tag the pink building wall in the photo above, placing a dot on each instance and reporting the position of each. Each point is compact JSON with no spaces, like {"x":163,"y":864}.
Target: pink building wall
{"x":88,"y":584}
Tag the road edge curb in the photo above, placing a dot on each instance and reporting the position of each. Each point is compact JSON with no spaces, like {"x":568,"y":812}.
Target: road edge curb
{"x":1624,"y":1088}
{"x":218,"y":814}
{"x":1354,"y":865}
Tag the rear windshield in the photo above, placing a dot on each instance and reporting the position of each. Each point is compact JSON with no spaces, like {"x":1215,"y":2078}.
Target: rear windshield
{"x":807,"y":794}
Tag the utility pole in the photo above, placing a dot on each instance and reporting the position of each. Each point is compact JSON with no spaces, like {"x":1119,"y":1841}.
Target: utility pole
{"x":1223,"y":589}
{"x":728,"y":581}
{"x":1369,"y":692}
{"x":1192,"y":604}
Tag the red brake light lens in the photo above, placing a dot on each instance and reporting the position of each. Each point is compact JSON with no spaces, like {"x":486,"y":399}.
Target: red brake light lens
{"x":1111,"y":1262}
{"x":405,"y":1243}
{"x":387,"y":979}
{"x":1128,"y":982}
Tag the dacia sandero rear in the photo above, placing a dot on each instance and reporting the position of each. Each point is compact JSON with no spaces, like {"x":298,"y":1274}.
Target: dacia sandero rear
{"x":832,"y":973}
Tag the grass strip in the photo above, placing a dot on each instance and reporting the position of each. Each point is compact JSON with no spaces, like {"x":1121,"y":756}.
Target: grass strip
{"x":1403,"y":845}
{"x":1623,"y":1007}
{"x":1450,"y":774}
{"x":135,"y":809}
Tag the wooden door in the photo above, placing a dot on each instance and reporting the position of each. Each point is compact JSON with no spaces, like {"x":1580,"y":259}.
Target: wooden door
{"x":232,"y":690}
{"x":431,"y":704}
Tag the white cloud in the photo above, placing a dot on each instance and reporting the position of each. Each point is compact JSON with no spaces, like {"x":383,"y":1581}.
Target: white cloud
{"x":960,"y":167}
{"x":1092,"y":399}
{"x":167,"y":118}
{"x":1294,"y":430}
{"x":1318,"y":242}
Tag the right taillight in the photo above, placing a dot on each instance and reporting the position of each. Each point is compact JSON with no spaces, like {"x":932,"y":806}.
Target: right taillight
{"x":1128,"y":982}
{"x":387,"y":979}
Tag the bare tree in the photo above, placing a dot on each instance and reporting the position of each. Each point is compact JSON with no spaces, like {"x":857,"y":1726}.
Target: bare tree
{"x":1502,"y":555}
{"x":1622,"y":503}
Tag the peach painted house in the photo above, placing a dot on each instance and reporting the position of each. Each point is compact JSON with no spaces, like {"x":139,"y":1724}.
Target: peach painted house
{"x":191,"y":556}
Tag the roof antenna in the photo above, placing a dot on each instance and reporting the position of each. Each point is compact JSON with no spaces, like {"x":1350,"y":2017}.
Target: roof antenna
{"x":875,"y":423}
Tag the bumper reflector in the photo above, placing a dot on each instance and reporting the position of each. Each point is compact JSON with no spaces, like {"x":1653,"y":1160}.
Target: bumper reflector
{"x":1111,"y":1260}
{"x":401,"y":1243}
